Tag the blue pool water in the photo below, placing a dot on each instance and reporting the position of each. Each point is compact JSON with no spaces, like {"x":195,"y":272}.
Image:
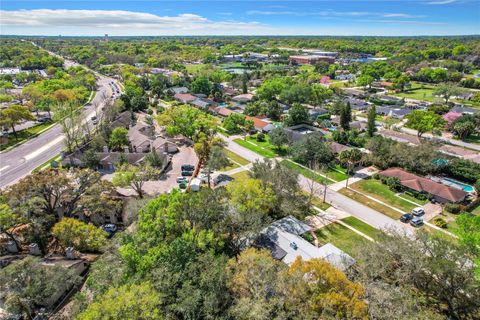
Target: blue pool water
{"x":465,"y":187}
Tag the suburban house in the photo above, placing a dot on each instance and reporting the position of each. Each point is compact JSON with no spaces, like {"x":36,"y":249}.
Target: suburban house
{"x":297,"y":132}
{"x":316,"y":112}
{"x":177,"y":90}
{"x":260,"y":125}
{"x":397,"y":113}
{"x":354,"y":93}
{"x":460,"y":152}
{"x":400,"y":136}
{"x":311,"y":59}
{"x":144,"y":139}
{"x":243,"y":98}
{"x":184,"y":97}
{"x":357,"y":104}
{"x":338,"y":148}
{"x":222,"y":111}
{"x":283,"y":239}
{"x":202,"y":103}
{"x":123,"y":120}
{"x":440,"y":192}
{"x":464,"y":110}
{"x":356,"y":125}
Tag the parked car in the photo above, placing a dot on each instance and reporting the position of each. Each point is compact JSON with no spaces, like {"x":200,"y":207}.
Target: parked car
{"x":183,"y":184}
{"x":221,"y":178}
{"x":406,"y":217}
{"x":181,"y":179}
{"x":44,"y":119}
{"x":418,"y":211}
{"x":187,"y":167}
{"x":187,"y":173}
{"x":94,"y":120}
{"x":109,"y":228}
{"x":416,"y":222}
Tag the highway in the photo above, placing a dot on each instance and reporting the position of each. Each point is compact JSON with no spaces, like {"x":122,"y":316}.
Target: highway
{"x":20,"y":161}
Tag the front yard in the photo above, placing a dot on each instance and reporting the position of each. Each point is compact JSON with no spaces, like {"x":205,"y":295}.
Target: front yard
{"x":341,"y":237}
{"x":255,"y":147}
{"x":370,"y":203}
{"x":378,"y":190}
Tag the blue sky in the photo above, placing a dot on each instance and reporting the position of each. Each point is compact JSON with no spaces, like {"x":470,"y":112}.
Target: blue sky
{"x":241,"y":17}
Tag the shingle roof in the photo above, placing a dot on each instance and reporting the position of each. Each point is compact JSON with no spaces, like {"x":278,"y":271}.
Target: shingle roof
{"x":422,"y":184}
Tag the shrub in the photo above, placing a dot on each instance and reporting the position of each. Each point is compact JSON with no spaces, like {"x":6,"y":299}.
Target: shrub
{"x":477,"y":186}
{"x":393,"y":184}
{"x":260,"y":137}
{"x":376,"y":176}
{"x":440,"y":222}
{"x":452,"y":208}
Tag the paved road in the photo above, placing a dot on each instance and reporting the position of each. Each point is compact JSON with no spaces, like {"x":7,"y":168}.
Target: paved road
{"x":338,"y":200}
{"x":456,"y":142}
{"x":20,"y":161}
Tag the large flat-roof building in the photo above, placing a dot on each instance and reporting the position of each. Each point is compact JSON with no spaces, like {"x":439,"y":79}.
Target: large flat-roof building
{"x":311,"y":59}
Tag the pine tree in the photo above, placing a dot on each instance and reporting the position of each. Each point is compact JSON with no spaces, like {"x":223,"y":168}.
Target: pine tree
{"x":372,"y":112}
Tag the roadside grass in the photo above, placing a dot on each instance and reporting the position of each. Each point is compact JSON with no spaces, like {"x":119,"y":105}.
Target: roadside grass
{"x":363,"y":227}
{"x":223,"y":131}
{"x":231,"y":166}
{"x":473,"y":139}
{"x":255,"y":148}
{"x":24,"y":135}
{"x":317,"y":202}
{"x":241,"y":176}
{"x":305,"y":172}
{"x":376,"y":189}
{"x":476,"y":210}
{"x":370,"y":203}
{"x":46,"y":164}
{"x":341,"y":237}
{"x":235,"y":157}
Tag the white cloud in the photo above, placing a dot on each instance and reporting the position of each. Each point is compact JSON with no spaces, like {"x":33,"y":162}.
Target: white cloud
{"x":402,"y":15}
{"x":121,"y":22}
{"x":442,"y":2}
{"x":412,"y":22}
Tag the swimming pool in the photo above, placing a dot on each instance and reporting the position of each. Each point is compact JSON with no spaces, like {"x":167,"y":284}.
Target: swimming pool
{"x":464,"y":186}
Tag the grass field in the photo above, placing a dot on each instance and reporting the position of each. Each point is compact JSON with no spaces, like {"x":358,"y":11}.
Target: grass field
{"x":341,"y":237}
{"x":317,"y":202}
{"x":24,"y":135}
{"x":371,"y":203}
{"x":419,"y":92}
{"x":305,"y":172}
{"x":363,"y":227}
{"x":235,"y":157}
{"x":241,"y":176}
{"x":267,"y":153}
{"x":337,"y":173}
{"x":378,"y":190}
{"x":194,"y":68}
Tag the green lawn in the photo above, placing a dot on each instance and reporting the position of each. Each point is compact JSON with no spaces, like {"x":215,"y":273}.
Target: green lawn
{"x":378,"y":190}
{"x":337,"y":173}
{"x":267,"y":153}
{"x":419,"y":92}
{"x":305,"y":172}
{"x":412,"y":198}
{"x":371,"y":203}
{"x":341,"y":237}
{"x":241,"y":176}
{"x":317,"y":202}
{"x":476,"y":210}
{"x":235,"y":157}
{"x":363,"y":227}
{"x":267,"y":145}
{"x":23,"y":135}
{"x":194,"y":68}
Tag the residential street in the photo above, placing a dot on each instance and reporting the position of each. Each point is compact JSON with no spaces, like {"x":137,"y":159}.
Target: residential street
{"x":339,"y":201}
{"x":20,"y":161}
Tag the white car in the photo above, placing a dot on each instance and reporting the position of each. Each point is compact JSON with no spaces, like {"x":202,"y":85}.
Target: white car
{"x":181,"y":179}
{"x":418,"y":211}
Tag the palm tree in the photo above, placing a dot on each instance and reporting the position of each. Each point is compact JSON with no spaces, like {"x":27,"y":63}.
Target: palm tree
{"x":352,"y":158}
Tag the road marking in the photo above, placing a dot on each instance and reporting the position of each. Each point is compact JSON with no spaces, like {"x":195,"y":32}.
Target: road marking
{"x":45,"y":147}
{"x":4,"y":168}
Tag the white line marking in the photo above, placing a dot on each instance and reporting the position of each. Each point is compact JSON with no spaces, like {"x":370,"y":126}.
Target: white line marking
{"x":4,"y":168}
{"x":37,"y":152}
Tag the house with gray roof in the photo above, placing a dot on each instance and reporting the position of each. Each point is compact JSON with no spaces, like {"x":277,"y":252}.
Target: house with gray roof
{"x":397,"y":113}
{"x":283,"y":239}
